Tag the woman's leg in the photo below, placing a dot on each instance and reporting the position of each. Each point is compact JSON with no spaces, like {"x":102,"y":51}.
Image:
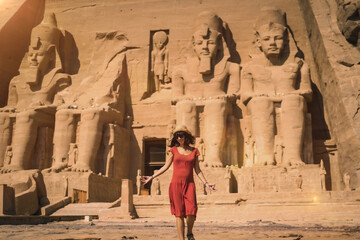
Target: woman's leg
{"x":190,"y":219}
{"x":180,"y":227}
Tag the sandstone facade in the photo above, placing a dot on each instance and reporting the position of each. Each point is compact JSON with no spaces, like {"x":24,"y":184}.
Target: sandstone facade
{"x":102,"y":84}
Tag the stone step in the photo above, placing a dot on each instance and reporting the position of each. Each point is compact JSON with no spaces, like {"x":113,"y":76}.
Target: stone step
{"x":258,"y":198}
{"x":82,"y":209}
{"x":304,"y":212}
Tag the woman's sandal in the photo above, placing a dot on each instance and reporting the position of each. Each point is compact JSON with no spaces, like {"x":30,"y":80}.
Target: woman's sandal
{"x":190,"y":236}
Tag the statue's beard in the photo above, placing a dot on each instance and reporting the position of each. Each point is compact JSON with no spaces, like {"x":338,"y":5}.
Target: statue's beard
{"x":205,"y":65}
{"x":33,"y":75}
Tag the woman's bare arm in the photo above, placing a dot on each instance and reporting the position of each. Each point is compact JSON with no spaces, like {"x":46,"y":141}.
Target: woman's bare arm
{"x":201,"y":176}
{"x":169,"y":160}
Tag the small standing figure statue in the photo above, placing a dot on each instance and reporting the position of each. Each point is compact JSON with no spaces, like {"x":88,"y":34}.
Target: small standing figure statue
{"x":322,"y":175}
{"x":227,"y":179}
{"x":170,"y":131}
{"x":73,"y":154}
{"x":252,"y":183}
{"x":201,"y":147}
{"x":249,"y":148}
{"x":66,"y":186}
{"x":347,"y":181}
{"x":8,"y":155}
{"x":299,"y":182}
{"x":109,"y":149}
{"x":155,"y":186}
{"x":138,"y":182}
{"x":159,"y":58}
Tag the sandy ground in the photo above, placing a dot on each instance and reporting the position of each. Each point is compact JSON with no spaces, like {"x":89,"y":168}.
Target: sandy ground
{"x":151,"y":229}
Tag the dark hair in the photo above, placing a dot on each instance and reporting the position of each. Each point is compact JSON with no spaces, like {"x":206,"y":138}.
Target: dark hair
{"x":189,"y":139}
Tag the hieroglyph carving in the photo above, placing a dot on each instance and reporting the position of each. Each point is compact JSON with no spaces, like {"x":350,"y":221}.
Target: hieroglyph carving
{"x":276,"y":77}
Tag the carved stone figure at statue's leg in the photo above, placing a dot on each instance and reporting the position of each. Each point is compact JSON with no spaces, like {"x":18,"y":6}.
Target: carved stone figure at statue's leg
{"x":293,"y":127}
{"x":89,"y":140}
{"x":5,"y":134}
{"x":186,"y":115}
{"x":215,"y":126}
{"x":25,"y":134}
{"x":91,"y":131}
{"x":157,"y":82}
{"x":161,"y":79}
{"x":262,"y":115}
{"x":64,"y":134}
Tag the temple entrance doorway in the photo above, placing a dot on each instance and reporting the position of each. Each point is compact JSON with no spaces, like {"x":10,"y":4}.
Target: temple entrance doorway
{"x":155,"y":156}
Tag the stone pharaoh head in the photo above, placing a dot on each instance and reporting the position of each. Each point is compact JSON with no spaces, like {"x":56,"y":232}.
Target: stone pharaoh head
{"x":44,"y":43}
{"x":207,"y":39}
{"x":271,"y":32}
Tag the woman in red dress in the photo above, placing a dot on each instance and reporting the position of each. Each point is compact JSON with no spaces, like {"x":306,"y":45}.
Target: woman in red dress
{"x":182,"y":187}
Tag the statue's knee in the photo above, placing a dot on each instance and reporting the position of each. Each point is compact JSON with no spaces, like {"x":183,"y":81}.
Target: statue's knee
{"x":90,"y":114}
{"x":25,"y":117}
{"x":293,"y":101}
{"x":64,"y":114}
{"x":4,"y":119}
{"x":261,"y":106}
{"x":217,"y":105}
{"x":185,"y":106}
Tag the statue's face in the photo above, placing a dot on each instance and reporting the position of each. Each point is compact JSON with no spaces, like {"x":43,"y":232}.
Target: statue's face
{"x":271,"y":40}
{"x":159,"y":45}
{"x":205,"y":46}
{"x":37,"y":54}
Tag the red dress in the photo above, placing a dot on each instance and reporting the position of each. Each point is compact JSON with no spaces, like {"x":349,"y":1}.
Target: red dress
{"x":182,"y":187}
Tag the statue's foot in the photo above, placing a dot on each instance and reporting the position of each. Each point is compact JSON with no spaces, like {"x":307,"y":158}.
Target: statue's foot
{"x":56,"y":168}
{"x":269,"y":163}
{"x":266,"y":160}
{"x":214,"y":164}
{"x":78,"y":169}
{"x":295,"y":163}
{"x":8,"y":169}
{"x":265,"y":163}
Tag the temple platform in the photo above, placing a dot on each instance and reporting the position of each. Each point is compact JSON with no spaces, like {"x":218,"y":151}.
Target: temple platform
{"x":83,"y":187}
{"x":253,"y":179}
{"x":300,"y":207}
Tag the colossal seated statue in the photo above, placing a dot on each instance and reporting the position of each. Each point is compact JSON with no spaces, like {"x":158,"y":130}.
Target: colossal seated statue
{"x":91,"y":117}
{"x":208,"y":80}
{"x":276,"y":82}
{"x":31,"y":105}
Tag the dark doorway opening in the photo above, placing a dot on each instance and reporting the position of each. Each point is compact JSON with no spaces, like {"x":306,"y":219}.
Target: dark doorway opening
{"x":155,"y":156}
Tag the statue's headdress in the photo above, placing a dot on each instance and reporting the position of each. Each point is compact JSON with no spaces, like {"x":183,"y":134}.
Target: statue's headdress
{"x":47,"y":31}
{"x":160,"y":36}
{"x":208,"y":20}
{"x":270,"y":16}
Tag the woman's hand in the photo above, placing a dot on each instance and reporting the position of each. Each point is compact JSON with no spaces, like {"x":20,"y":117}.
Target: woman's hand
{"x":211,"y":187}
{"x":146,"y":179}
